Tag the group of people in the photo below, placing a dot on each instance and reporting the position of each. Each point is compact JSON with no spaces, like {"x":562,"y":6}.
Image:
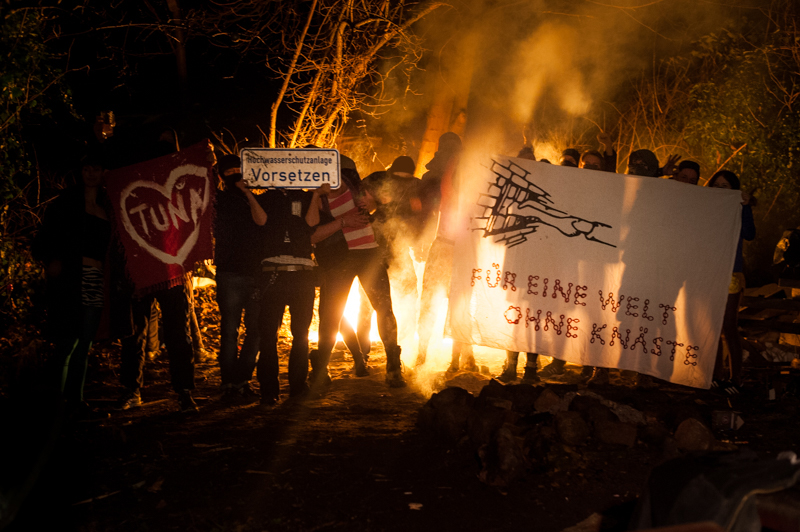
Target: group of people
{"x":644,"y":163}
{"x":273,"y":248}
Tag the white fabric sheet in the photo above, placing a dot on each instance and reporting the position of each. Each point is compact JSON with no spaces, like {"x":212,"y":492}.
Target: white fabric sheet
{"x":594,"y":268}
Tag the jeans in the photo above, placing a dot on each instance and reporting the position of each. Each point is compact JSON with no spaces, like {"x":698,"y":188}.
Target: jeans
{"x":72,"y":354}
{"x":175,"y":308}
{"x":336,"y":282}
{"x":279,"y":290}
{"x":237,"y":293}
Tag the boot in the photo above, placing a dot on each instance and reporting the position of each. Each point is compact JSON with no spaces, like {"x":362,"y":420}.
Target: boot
{"x":360,"y":365}
{"x":586,"y":373}
{"x":394,"y":368}
{"x":556,"y":367}
{"x":509,"y":367}
{"x":530,"y":376}
{"x":462,"y":350}
{"x":319,"y":375}
{"x":599,"y":377}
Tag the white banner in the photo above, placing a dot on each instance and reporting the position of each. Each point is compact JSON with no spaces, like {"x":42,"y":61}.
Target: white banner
{"x":283,"y":168}
{"x":595,"y":268}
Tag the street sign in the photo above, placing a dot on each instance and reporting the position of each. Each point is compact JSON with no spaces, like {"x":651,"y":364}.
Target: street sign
{"x":283,"y":168}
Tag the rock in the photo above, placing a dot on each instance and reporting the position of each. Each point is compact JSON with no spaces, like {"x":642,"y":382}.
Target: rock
{"x":446,"y":413}
{"x":571,"y":427}
{"x":669,"y":449}
{"x":615,"y":433}
{"x":654,"y":432}
{"x":593,"y":523}
{"x":548,"y":401}
{"x":494,"y":390}
{"x":624,"y":413}
{"x":502,"y":460}
{"x":592,"y":409}
{"x":472,"y":382}
{"x":524,"y":397}
{"x":483,"y":423}
{"x":693,"y":435}
{"x":536,"y":445}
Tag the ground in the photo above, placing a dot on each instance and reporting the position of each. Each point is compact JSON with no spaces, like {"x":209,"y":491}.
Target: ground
{"x":351,"y":459}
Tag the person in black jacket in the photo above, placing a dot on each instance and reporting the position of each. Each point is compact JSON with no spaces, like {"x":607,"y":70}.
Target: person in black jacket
{"x":286,"y":279}
{"x":72,"y":243}
{"x":237,"y":257}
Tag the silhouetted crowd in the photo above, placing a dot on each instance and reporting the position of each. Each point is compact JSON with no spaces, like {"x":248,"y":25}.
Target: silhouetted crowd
{"x":273,"y":249}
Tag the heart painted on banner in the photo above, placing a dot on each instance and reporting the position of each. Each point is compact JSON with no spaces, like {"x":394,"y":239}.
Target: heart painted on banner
{"x":145,"y":198}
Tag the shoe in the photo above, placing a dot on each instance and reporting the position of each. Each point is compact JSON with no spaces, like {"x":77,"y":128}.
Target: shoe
{"x":201,"y":356}
{"x":509,"y":375}
{"x":556,"y":367}
{"x":530,"y":376}
{"x":186,"y":402}
{"x":725,"y":387}
{"x":394,"y":368}
{"x":452,"y":368}
{"x":246,"y":392}
{"x":131,"y":399}
{"x":230,"y":394}
{"x":268,"y":401}
{"x":599,"y":377}
{"x":313,"y":357}
{"x":395,"y":379}
{"x":420,"y":361}
{"x":470,"y":365}
{"x":299,"y":393}
{"x":362,"y":371}
{"x":586,"y":373}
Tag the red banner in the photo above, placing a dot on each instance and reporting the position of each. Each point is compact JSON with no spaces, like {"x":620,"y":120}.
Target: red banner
{"x":164,"y":212}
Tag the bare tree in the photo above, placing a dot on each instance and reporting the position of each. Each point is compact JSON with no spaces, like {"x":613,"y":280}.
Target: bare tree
{"x":332,"y":57}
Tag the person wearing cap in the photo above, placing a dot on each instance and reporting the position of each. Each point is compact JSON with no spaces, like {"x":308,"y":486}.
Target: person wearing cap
{"x":72,"y":244}
{"x":237,"y":232}
{"x":346,"y":248}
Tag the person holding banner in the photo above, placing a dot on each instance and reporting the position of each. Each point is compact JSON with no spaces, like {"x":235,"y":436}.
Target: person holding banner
{"x":726,"y":179}
{"x":286,"y":279}
{"x":346,"y":248}
{"x":163,"y":211}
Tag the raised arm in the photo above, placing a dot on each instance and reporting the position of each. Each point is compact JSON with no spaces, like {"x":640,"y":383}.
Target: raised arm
{"x":258,"y":214}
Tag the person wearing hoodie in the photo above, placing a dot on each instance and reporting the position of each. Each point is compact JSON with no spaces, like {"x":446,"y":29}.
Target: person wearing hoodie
{"x":346,"y":248}
{"x":239,"y":219}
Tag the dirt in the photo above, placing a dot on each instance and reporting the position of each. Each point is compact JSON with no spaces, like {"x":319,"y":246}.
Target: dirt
{"x":350,"y":459}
